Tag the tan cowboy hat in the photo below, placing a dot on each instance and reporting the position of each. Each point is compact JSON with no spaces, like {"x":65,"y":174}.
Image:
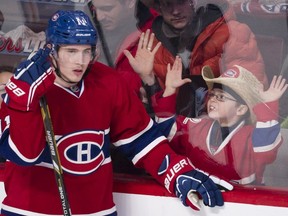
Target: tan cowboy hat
{"x":240,"y":80}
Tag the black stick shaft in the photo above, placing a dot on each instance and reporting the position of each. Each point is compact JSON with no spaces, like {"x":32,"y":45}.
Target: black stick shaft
{"x":98,"y":26}
{"x":50,"y":136}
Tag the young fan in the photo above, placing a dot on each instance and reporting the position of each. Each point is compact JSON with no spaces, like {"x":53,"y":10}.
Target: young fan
{"x":240,"y":134}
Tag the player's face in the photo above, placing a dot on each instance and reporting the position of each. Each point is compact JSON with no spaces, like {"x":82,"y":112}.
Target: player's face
{"x":72,"y":61}
{"x":222,"y":107}
{"x":112,"y":13}
{"x":177,"y":13}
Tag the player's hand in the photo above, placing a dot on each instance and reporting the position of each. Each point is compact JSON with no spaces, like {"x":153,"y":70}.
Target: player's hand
{"x":196,"y":182}
{"x":31,"y":80}
{"x":187,"y":182}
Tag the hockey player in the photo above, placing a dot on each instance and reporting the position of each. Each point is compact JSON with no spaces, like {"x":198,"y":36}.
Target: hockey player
{"x":90,"y":108}
{"x":240,"y":134}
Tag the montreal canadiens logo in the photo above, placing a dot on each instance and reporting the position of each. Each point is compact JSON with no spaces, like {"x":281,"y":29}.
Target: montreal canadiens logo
{"x":81,"y":153}
{"x":230,"y":73}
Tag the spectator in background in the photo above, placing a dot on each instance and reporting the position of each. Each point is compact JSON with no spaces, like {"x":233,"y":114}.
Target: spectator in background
{"x":225,"y":142}
{"x":1,"y":22}
{"x":201,"y":33}
{"x":121,"y":21}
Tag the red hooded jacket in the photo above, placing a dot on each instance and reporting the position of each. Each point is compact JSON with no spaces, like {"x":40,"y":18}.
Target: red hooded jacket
{"x":221,"y":44}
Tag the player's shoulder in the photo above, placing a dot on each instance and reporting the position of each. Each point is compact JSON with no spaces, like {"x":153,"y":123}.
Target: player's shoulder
{"x":98,"y":66}
{"x":102,"y":71}
{"x":105,"y":77}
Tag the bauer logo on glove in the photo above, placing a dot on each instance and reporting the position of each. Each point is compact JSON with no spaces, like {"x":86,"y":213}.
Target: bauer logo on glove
{"x":190,"y":184}
{"x":172,"y":171}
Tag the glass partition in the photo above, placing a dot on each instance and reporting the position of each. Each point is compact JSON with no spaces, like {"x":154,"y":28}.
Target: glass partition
{"x":256,"y":25}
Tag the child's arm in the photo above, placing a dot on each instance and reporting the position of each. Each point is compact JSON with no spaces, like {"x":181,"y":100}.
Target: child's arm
{"x":164,"y":102}
{"x":267,"y":134}
{"x":174,"y":77}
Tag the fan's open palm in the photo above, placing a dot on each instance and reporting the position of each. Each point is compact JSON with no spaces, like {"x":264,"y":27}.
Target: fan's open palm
{"x":276,"y":89}
{"x":174,"y":77}
{"x":143,"y":61}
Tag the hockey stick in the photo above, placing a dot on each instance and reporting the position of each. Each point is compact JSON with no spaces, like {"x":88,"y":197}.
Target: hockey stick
{"x":98,"y":26}
{"x":50,"y":137}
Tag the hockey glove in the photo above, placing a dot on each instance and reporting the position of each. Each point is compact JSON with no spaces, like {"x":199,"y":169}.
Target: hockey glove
{"x":196,"y":182}
{"x":31,"y":80}
{"x":187,"y":182}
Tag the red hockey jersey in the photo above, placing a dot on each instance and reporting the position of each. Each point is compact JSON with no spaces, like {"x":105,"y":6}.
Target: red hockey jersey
{"x":86,"y":120}
{"x":240,"y":157}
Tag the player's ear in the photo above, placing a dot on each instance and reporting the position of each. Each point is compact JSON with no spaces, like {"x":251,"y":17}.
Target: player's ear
{"x":242,"y":109}
{"x":53,"y":59}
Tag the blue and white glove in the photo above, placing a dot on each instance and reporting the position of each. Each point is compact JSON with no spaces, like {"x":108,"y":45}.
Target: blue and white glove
{"x":31,"y":80}
{"x":190,"y":184}
{"x":196,"y":182}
